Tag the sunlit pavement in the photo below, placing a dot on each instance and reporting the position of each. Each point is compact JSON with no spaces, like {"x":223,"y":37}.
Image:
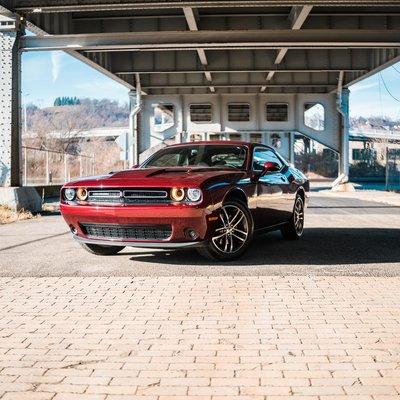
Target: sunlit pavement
{"x":346,"y":234}
{"x":314,"y":319}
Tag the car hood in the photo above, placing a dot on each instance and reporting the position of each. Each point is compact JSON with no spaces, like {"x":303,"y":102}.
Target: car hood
{"x":161,"y":177}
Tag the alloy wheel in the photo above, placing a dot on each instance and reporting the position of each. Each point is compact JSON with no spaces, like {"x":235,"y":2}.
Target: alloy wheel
{"x":232,"y":231}
{"x":298,"y":216}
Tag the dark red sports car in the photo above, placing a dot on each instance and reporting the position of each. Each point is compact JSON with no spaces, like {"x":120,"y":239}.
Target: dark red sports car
{"x":210,"y":195}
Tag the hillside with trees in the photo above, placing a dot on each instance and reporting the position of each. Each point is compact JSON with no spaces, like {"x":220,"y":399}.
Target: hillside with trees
{"x":60,"y":128}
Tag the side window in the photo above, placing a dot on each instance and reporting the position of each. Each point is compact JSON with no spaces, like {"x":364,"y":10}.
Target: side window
{"x":261,"y":155}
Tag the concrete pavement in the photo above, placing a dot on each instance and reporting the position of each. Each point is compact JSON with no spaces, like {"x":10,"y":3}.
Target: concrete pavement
{"x":346,"y":234}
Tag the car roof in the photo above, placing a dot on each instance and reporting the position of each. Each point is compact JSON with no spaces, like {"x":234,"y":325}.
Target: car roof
{"x":222,"y":142}
{"x":214,"y":142}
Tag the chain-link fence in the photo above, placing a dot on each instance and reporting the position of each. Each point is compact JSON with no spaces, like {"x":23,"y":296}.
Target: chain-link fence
{"x":393,"y":169}
{"x":51,"y":167}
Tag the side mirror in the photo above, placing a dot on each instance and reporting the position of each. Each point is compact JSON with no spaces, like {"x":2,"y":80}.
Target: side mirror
{"x":135,"y":166}
{"x":270,"y":166}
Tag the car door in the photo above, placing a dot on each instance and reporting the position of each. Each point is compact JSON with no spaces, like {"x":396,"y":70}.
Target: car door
{"x":273,"y":189}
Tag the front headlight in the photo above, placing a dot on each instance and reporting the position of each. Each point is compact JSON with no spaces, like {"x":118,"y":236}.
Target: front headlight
{"x":82,"y":194}
{"x":194,"y":194}
{"x":69,"y":194}
{"x":177,"y":194}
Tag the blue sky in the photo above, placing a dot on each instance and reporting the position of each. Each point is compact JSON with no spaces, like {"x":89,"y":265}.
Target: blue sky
{"x":47,"y":75}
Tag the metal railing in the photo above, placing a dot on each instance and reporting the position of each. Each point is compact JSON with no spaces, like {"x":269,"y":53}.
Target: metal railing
{"x":43,"y":166}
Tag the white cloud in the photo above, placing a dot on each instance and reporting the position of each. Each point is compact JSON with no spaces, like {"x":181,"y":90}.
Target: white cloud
{"x":358,"y":87}
{"x":55,"y":64}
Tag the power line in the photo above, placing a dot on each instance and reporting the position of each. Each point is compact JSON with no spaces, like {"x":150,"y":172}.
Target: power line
{"x":395,"y":69}
{"x":387,"y":89}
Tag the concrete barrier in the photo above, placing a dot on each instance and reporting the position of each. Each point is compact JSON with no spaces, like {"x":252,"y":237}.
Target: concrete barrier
{"x":18,"y":198}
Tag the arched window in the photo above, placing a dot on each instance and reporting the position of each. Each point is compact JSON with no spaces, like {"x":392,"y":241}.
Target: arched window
{"x":314,"y":116}
{"x":163,"y":117}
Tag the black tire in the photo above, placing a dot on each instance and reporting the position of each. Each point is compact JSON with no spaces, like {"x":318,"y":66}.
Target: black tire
{"x":239,"y":237}
{"x":101,"y":250}
{"x":293,"y":230}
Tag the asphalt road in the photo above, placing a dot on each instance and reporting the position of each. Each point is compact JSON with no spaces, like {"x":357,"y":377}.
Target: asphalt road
{"x":343,"y":236}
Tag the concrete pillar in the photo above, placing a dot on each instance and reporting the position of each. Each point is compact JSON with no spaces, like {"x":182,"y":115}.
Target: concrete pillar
{"x":135,"y":106}
{"x":10,"y":99}
{"x":344,"y":137}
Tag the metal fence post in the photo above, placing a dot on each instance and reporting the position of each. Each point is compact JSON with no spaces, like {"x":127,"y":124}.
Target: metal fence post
{"x":25,"y":166}
{"x":65,"y":167}
{"x":387,"y":170}
{"x":47,"y":167}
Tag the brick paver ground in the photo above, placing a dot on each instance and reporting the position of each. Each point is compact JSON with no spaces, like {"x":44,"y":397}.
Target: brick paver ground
{"x":200,"y":338}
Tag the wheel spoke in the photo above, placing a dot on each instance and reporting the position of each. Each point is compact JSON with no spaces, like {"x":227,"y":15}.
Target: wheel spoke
{"x":219,"y":236}
{"x":222,"y":220}
{"x":238,"y":230}
{"x":231,"y":248}
{"x":233,"y":219}
{"x":239,"y":238}
{"x":226,"y":215}
{"x":226,"y":243}
{"x":238,"y":222}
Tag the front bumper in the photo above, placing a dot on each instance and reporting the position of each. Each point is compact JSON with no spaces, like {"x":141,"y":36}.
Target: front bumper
{"x":181,"y":218}
{"x":140,"y":244}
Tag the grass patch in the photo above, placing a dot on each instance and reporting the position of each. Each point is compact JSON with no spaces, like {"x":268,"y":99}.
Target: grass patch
{"x":7,"y":215}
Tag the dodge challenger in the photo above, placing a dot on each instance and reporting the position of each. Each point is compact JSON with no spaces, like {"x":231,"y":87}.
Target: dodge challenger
{"x":213,"y":196}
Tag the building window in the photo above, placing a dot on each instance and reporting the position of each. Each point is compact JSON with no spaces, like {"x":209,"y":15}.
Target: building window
{"x":196,"y":137}
{"x":235,"y":136}
{"x":256,"y":137}
{"x":238,"y":112}
{"x":200,"y":112}
{"x":368,"y":155}
{"x":314,"y":116}
{"x":163,"y":117}
{"x":216,"y":136}
{"x":276,"y":112}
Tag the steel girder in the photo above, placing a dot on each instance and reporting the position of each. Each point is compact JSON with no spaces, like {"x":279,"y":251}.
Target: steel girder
{"x":216,"y":40}
{"x":54,"y":6}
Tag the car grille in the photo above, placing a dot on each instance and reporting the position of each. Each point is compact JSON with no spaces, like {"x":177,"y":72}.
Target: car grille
{"x":128,"y":196}
{"x":128,"y":232}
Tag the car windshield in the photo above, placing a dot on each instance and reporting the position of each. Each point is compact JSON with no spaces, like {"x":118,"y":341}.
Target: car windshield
{"x":204,"y":156}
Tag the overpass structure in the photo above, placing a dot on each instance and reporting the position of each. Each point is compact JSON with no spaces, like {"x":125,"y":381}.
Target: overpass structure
{"x":260,"y":70}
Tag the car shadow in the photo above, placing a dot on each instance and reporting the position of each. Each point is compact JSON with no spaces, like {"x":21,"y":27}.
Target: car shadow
{"x":318,"y":246}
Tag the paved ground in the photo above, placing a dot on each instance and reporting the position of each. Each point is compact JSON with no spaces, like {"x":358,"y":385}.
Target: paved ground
{"x":347,"y":234}
{"x":321,"y":338}
{"x":150,"y":325}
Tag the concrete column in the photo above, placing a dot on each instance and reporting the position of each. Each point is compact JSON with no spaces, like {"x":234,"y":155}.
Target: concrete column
{"x":10,"y":100}
{"x":344,"y":137}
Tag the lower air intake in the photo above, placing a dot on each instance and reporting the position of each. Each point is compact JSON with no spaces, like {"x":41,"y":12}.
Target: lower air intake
{"x":128,"y":232}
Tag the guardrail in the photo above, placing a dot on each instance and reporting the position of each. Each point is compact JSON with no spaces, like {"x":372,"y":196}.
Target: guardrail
{"x":43,"y":166}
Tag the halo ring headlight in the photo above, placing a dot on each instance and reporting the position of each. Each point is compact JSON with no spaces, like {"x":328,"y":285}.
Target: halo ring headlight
{"x":82,"y":194}
{"x":194,"y":194}
{"x":177,"y":194}
{"x":69,"y":194}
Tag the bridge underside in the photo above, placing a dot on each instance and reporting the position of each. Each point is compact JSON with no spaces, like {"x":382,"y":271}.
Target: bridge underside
{"x":212,"y":54}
